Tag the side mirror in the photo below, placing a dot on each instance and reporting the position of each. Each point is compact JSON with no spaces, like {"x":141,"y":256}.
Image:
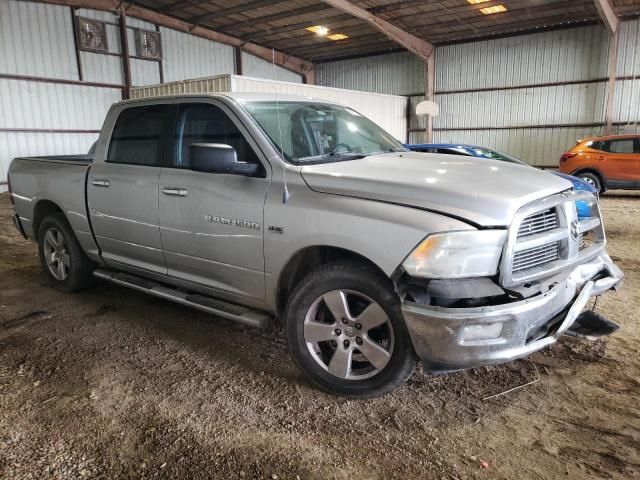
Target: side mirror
{"x":218,"y":158}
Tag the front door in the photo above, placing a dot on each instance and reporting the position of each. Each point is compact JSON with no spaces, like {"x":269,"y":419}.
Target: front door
{"x":212,"y":224}
{"x":122,"y":190}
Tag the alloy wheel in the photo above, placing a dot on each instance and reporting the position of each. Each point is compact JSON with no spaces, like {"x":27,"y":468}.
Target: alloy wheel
{"x":348,"y":334}
{"x":56,"y":254}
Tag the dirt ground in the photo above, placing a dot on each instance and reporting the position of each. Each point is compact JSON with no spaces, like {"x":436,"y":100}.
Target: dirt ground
{"x":110,"y":383}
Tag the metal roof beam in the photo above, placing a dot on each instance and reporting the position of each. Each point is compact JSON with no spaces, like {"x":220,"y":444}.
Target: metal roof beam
{"x":412,"y":43}
{"x":607,"y":14}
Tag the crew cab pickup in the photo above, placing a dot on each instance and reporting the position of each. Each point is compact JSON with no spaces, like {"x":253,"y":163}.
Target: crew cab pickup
{"x":256,"y":207}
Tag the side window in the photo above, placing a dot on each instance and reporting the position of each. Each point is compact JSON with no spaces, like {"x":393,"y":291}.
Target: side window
{"x":200,"y":123}
{"x":137,"y":136}
{"x":621,"y":146}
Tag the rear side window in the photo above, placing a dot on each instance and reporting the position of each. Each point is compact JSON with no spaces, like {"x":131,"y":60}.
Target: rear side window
{"x":621,"y":146}
{"x":201,"y":123}
{"x":627,"y":145}
{"x":137,"y":136}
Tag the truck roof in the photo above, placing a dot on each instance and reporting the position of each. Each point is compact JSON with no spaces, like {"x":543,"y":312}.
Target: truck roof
{"x":240,"y":97}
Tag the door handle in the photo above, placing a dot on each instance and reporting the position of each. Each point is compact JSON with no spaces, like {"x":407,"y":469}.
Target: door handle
{"x":175,"y":191}
{"x":100,"y":183}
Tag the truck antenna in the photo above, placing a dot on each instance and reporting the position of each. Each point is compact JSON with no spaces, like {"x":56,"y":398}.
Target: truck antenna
{"x":285,"y":193}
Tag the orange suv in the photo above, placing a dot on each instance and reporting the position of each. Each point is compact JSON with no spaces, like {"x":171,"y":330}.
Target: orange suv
{"x":605,"y":162}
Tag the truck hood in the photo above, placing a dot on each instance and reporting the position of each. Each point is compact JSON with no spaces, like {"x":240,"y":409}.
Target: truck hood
{"x":485,"y":193}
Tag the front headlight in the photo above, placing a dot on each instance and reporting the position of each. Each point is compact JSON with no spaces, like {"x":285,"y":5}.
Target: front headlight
{"x":470,"y":253}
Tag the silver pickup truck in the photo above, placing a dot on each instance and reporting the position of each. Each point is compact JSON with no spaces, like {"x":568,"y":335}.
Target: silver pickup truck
{"x":254,"y":207}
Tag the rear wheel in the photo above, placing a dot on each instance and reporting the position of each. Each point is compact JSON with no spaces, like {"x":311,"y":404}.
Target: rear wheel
{"x":63,"y":260}
{"x":593,"y":180}
{"x":346,"y":332}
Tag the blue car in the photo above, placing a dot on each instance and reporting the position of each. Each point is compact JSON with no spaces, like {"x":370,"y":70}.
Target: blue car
{"x":482,"y":152}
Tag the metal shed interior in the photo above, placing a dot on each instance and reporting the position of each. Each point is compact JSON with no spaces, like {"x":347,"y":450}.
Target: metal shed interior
{"x":529,"y":81}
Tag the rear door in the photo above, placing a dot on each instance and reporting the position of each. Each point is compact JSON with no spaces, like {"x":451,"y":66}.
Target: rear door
{"x":122,"y":190}
{"x":211,"y":223}
{"x":620,"y":162}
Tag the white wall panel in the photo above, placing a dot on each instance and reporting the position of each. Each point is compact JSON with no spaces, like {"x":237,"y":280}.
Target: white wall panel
{"x":555,"y":56}
{"x":253,"y":66}
{"x":627,"y":101}
{"x":101,"y":68}
{"x":144,"y":72}
{"x":97,"y":15}
{"x":36,"y":39}
{"x":23,"y":144}
{"x":187,"y":56}
{"x":564,"y":104}
{"x":537,"y":146}
{"x":133,"y":22}
{"x":49,"y":105}
{"x":395,"y":74}
{"x":629,"y":48}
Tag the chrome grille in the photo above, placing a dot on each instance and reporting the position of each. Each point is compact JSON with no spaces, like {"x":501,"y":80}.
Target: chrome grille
{"x":538,"y":223}
{"x":547,"y":236}
{"x":535,"y":257}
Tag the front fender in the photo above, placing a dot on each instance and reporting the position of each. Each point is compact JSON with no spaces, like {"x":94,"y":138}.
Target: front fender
{"x":383,"y":233}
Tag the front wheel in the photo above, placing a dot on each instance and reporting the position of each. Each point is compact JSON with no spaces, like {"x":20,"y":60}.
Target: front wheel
{"x":346,"y":332}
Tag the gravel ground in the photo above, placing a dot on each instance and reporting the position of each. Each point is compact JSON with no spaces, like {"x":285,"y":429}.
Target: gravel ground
{"x":110,"y":383}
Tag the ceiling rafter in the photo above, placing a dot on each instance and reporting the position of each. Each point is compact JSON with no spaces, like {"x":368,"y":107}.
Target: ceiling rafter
{"x":607,"y":14}
{"x":421,"y":48}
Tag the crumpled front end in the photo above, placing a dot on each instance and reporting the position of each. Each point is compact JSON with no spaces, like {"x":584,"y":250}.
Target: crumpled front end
{"x":457,"y":338}
{"x":553,"y":262}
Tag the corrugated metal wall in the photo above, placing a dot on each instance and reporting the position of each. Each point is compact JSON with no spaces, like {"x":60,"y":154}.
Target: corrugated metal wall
{"x":537,"y":123}
{"x":186,"y":56}
{"x":627,"y":99}
{"x":512,"y":93}
{"x":394,"y":73}
{"x":35,"y":39}
{"x":43,"y":116}
{"x":253,"y":66}
{"x":554,"y":56}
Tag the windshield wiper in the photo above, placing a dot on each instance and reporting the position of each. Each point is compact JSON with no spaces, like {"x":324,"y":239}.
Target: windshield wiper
{"x":326,"y":158}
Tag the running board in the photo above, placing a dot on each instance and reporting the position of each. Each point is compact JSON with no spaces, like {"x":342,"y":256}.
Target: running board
{"x":226,"y":310}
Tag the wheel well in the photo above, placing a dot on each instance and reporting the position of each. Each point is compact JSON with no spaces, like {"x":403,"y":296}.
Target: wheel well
{"x":307,"y":260}
{"x":42,"y":210}
{"x":592,"y":171}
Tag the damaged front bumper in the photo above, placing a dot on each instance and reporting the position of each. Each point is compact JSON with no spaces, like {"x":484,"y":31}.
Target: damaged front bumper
{"x":448,"y":339}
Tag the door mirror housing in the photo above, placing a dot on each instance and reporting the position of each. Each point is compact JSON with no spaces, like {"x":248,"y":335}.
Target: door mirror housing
{"x":219,"y":158}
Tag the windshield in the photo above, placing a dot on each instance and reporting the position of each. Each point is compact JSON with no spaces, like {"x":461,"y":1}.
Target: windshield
{"x":495,"y":155}
{"x":320,"y":133}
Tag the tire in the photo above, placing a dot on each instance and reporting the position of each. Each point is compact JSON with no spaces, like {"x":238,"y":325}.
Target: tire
{"x":64,"y":262}
{"x":315,"y":334}
{"x":592,"y":179}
